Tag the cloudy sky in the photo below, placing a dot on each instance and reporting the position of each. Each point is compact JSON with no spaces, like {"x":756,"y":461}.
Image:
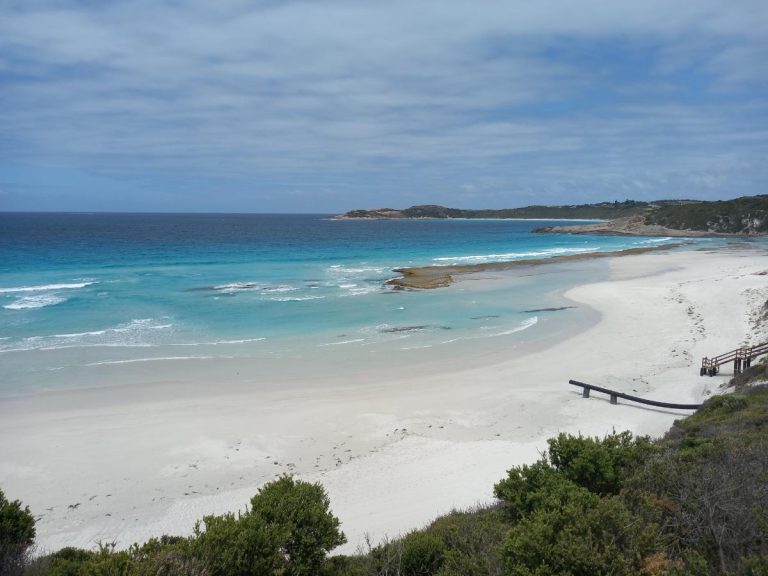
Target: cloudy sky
{"x":327,"y":105}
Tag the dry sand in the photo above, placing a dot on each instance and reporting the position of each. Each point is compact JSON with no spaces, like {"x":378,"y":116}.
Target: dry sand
{"x":127,"y":463}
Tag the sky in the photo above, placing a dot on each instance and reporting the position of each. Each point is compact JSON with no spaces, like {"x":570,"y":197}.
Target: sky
{"x":327,"y":105}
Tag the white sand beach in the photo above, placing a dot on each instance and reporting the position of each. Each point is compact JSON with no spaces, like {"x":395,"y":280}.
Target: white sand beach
{"x":129,"y":462}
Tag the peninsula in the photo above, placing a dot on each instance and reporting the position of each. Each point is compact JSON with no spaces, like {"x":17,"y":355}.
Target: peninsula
{"x":745,"y":216}
{"x":600,"y":211}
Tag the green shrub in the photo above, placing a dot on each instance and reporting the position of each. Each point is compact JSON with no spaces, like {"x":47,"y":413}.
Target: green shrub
{"x":238,"y":546}
{"x":472,"y":542}
{"x":714,"y":501}
{"x":345,"y":566}
{"x":66,"y":562}
{"x":580,"y":535}
{"x":725,"y":404}
{"x":523,"y":487}
{"x":755,"y":566}
{"x":104,"y":561}
{"x":17,"y":534}
{"x":308,"y":530}
{"x":423,"y":554}
{"x":690,"y":564}
{"x":598,"y":465}
{"x":287,"y":532}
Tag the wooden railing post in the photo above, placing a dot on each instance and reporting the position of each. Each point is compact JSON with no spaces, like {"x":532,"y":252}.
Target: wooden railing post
{"x":742,"y":359}
{"x":615,"y":395}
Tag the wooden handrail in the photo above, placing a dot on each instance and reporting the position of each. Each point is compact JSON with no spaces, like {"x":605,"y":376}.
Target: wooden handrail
{"x":615,"y":395}
{"x":741,"y":357}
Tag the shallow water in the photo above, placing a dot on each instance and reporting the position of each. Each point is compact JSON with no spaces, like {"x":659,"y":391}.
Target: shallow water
{"x":91,"y":298}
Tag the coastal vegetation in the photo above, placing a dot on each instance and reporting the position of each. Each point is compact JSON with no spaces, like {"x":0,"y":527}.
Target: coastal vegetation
{"x":693,"y":503}
{"x":744,"y":216}
{"x":599,"y":211}
{"x":747,"y":216}
{"x":17,"y":534}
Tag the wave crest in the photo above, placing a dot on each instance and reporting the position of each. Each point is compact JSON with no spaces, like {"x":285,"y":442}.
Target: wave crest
{"x":45,"y":287}
{"x":509,"y":256}
{"x":36,"y":301}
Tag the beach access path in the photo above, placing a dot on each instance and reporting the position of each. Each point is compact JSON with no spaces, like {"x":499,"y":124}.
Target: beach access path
{"x":124,"y":464}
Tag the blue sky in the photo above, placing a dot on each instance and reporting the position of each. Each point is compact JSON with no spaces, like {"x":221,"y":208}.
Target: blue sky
{"x":326,"y":105}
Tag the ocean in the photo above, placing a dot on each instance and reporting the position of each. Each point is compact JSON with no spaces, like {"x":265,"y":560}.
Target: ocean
{"x":111,"y":299}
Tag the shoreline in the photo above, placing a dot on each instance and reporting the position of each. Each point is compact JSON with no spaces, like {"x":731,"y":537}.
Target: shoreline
{"x":431,"y":277}
{"x":126,"y":465}
{"x":341,"y":217}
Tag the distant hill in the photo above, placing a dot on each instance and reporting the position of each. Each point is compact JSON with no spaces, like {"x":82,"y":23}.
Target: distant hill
{"x":601,"y":211}
{"x":744,"y":216}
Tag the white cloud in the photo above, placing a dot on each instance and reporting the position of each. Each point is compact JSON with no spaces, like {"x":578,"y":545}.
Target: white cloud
{"x":529,"y":95}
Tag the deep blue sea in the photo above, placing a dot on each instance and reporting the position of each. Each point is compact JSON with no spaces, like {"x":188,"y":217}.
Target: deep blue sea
{"x":83,"y":293}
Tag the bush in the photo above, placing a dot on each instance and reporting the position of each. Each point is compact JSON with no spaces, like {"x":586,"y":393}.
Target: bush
{"x":725,"y":404}
{"x":423,"y":554}
{"x":594,"y":464}
{"x":755,"y":566}
{"x":598,"y":465}
{"x":17,"y":534}
{"x":580,"y":534}
{"x":74,"y":562}
{"x":346,"y":566}
{"x":472,"y":542}
{"x":308,"y":529}
{"x":715,"y":500}
{"x":238,"y":546}
{"x":66,"y":562}
{"x":288,"y":531}
{"x":524,"y":487}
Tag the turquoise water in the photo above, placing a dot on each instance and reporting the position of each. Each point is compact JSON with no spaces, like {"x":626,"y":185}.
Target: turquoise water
{"x":83,"y":293}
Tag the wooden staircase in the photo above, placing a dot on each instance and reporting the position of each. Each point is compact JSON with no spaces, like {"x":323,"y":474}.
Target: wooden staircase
{"x":741,"y":358}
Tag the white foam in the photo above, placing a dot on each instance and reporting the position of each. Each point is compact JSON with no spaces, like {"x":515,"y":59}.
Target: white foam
{"x":73,"y":335}
{"x":158,"y":359}
{"x":264,"y":289}
{"x":362,"y":290}
{"x":341,"y":342}
{"x":136,"y":333}
{"x":239,"y":287}
{"x":523,"y":326}
{"x":350,"y":277}
{"x":340,"y":268}
{"x":655,"y":240}
{"x":296,"y":298}
{"x":485,"y":258}
{"x":243,"y":341}
{"x":218,"y":342}
{"x":45,"y":287}
{"x":38,"y":301}
{"x":281,"y":288}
